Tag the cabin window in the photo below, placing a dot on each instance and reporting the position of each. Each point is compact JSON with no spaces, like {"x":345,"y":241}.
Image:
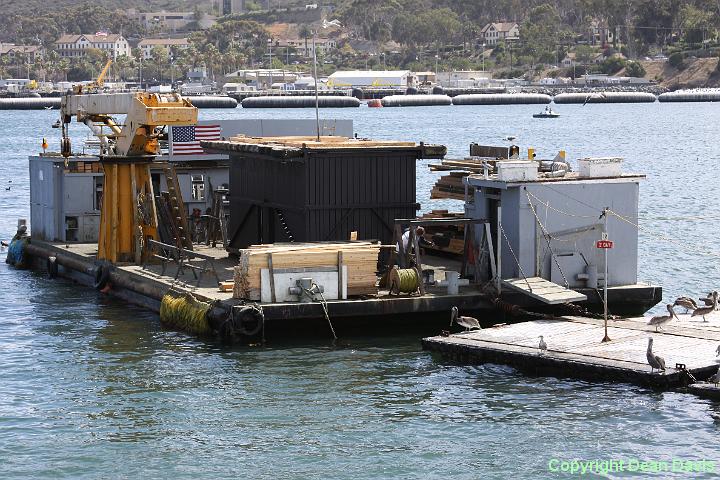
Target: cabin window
{"x":198,"y":187}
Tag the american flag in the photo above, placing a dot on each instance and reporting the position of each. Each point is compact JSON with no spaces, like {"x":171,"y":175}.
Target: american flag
{"x":186,"y":140}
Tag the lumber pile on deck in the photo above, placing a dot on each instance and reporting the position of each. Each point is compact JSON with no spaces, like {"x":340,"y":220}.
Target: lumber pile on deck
{"x":360,"y":257}
{"x":445,"y":238}
{"x":325,"y":142}
{"x":451,"y":186}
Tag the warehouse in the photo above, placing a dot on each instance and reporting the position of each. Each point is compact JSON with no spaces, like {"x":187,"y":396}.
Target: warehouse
{"x":370,"y":78}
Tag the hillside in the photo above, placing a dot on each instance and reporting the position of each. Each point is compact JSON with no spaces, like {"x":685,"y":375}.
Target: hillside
{"x":31,"y":7}
{"x":698,"y":72}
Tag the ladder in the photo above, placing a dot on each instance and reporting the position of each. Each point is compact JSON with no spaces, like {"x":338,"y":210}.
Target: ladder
{"x":177,"y":208}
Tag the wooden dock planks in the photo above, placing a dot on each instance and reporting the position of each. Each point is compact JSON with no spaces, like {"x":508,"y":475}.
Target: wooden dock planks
{"x":575,"y":348}
{"x":544,"y":290}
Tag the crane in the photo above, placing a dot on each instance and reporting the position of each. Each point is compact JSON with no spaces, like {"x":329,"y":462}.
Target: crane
{"x":128,"y":216}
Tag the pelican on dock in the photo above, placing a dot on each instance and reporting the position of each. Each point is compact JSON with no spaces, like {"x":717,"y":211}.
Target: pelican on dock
{"x":542,"y":346}
{"x":711,"y":299}
{"x":702,"y":311}
{"x":686,"y":302}
{"x":469,"y":323}
{"x":660,"y":320}
{"x":656,"y":362}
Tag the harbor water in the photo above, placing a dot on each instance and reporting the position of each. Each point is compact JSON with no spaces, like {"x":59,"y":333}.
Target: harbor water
{"x":91,"y":387}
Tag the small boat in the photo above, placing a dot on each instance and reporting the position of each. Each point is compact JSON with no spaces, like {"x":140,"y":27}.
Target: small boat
{"x":547,"y":113}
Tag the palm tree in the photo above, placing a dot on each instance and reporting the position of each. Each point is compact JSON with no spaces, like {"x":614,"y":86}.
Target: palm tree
{"x":305,"y":33}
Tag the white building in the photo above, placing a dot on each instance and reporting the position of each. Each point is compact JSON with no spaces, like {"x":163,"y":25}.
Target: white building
{"x":323,"y":46}
{"x":371,"y":78}
{"x":492,"y":33}
{"x":171,"y":21}
{"x":147,"y":45}
{"x":78,"y":45}
{"x":28,"y":53}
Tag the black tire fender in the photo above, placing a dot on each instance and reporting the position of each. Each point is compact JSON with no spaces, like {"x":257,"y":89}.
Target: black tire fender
{"x":102,"y":277}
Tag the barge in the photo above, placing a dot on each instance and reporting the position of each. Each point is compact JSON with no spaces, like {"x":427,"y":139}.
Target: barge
{"x":327,"y":197}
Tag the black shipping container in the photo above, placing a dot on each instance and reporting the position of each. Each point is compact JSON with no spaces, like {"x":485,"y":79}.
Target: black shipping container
{"x":303,"y":195}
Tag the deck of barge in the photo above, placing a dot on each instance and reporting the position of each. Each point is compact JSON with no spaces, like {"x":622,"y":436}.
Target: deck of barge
{"x":575,"y":348}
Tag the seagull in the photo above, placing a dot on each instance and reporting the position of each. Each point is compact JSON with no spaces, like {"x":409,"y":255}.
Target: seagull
{"x":661,"y":320}
{"x":718,"y":351}
{"x":510,"y":138}
{"x":542,"y":345}
{"x":7,"y":189}
{"x":702,"y":311}
{"x":655,"y":361}
{"x":686,"y":302}
{"x":715,"y":378}
{"x":469,"y":323}
{"x":593,"y":95}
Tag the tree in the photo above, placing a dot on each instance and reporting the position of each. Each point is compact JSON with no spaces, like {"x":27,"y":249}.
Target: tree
{"x":635,"y":69}
{"x":305,"y":33}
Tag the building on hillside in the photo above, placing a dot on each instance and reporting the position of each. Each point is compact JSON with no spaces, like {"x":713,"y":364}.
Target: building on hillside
{"x":492,"y":33}
{"x":147,"y":45}
{"x":371,"y":78}
{"x":241,"y":6}
{"x":598,"y":33}
{"x":263,"y":78}
{"x":171,"y":21}
{"x":26,"y":53}
{"x":74,"y":46}
{"x":464,"y":78}
{"x":323,"y":46}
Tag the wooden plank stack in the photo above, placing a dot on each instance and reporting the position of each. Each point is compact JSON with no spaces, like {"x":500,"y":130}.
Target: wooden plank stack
{"x":454,"y":233}
{"x":360,"y":258}
{"x":325,"y":142}
{"x":451,"y":186}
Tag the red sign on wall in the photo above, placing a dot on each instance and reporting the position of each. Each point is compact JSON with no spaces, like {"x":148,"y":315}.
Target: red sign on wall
{"x":604,"y":244}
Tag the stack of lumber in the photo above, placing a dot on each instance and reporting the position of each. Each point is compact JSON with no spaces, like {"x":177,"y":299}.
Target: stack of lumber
{"x":451,"y":186}
{"x":325,"y":142}
{"x":446,"y":238}
{"x":360,"y":257}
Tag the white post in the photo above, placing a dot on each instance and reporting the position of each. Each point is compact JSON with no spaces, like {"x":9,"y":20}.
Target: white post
{"x":606,"y":338}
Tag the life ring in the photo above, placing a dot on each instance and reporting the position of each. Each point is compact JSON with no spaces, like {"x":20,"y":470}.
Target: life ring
{"x":52,"y":267}
{"x":102,"y":277}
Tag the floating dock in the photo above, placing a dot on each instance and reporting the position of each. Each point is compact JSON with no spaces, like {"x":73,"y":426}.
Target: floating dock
{"x":575,"y":349}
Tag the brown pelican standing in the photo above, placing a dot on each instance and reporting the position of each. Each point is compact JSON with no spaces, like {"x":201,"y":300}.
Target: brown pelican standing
{"x":702,"y":311}
{"x":686,"y":302}
{"x":656,"y":362}
{"x":542,"y":346}
{"x":661,"y":320}
{"x":469,"y":323}
{"x":711,"y":299}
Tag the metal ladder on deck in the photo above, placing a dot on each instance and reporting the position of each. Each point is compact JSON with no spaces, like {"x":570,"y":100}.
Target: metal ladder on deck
{"x":177,"y":207}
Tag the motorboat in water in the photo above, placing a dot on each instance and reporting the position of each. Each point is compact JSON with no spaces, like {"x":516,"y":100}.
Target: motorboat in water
{"x":547,"y":113}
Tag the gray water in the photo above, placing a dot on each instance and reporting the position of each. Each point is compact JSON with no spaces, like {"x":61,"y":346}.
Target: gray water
{"x":90,"y":387}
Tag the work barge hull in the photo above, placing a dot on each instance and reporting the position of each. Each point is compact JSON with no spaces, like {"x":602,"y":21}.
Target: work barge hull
{"x":145,"y":286}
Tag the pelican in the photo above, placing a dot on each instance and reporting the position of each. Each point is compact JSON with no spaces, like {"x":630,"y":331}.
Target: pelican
{"x":542,"y":346}
{"x":661,"y":320}
{"x":510,"y":138}
{"x":711,"y":298}
{"x":715,"y":378}
{"x":469,"y":323}
{"x":702,"y":311}
{"x":686,"y":302}
{"x":656,"y":362}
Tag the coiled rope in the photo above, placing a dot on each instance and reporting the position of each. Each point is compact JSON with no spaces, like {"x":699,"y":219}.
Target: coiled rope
{"x":404,"y":280}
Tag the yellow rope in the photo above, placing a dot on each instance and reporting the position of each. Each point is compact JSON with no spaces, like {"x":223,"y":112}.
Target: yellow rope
{"x":185,"y":313}
{"x":409,"y":281}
